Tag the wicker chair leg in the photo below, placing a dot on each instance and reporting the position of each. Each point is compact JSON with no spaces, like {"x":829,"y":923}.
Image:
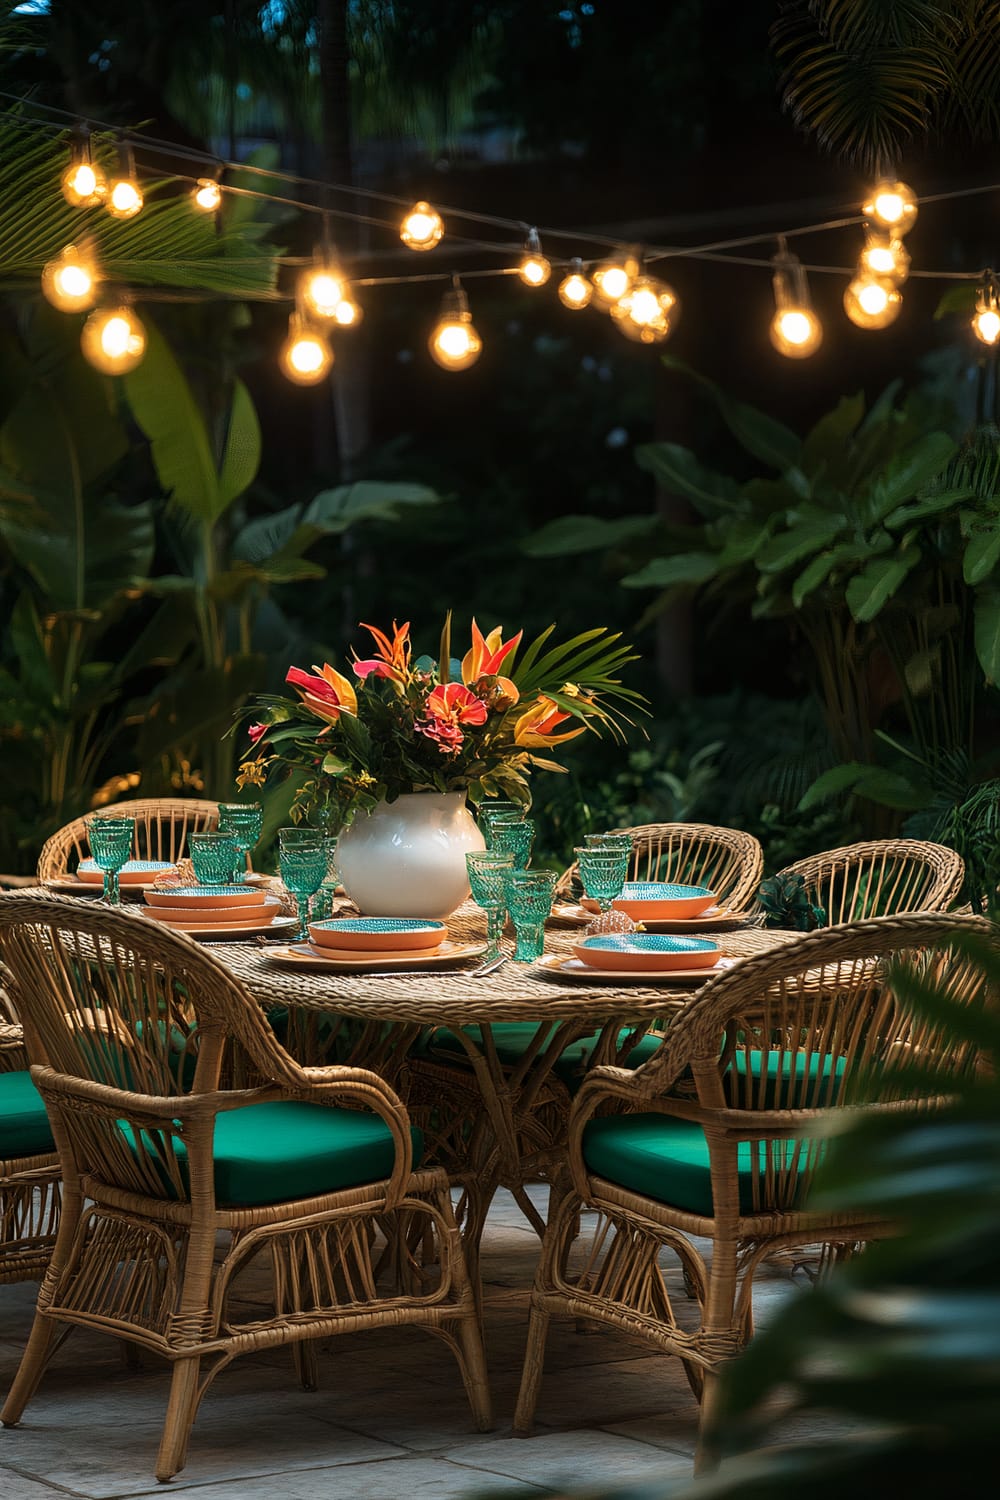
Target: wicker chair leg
{"x":306,"y":1362}
{"x":531,"y":1379}
{"x":706,"y":1459}
{"x":181,"y":1408}
{"x":40,"y":1345}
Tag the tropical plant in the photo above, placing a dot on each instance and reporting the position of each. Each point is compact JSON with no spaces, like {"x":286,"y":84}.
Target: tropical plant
{"x":442,"y":726}
{"x":785,"y":903}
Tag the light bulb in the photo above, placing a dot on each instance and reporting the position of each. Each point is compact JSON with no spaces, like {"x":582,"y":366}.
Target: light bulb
{"x":70,"y":281}
{"x":454,"y":342}
{"x":795,"y":330}
{"x":575,"y":291}
{"x":872,"y":301}
{"x":647,"y":311}
{"x":614,"y":277}
{"x":534,"y":269}
{"x":321,"y":290}
{"x":124,"y":198}
{"x":986,"y":322}
{"x":113,"y":340}
{"x":884,"y":255}
{"x":305,"y":357}
{"x":422,"y":228}
{"x":207,"y":194}
{"x":891,"y":205}
{"x":83,"y":183}
{"x":348,"y":313}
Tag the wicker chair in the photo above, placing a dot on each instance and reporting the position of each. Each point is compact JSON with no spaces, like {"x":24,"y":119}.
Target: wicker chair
{"x":30,"y":1180}
{"x":729,"y":862}
{"x":881,"y":879}
{"x":722,"y":1133}
{"x":178,"y":1117}
{"x":162,"y":825}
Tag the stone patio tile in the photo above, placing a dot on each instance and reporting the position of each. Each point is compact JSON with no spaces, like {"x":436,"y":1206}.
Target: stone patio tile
{"x":571,"y":1459}
{"x":675,"y":1430}
{"x":601,"y":1394}
{"x":17,"y":1487}
{"x":113,"y":1457}
{"x":397,"y":1479}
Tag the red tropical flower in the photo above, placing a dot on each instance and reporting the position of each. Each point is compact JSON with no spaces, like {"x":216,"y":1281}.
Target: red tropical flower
{"x":448,"y":707}
{"x":393,"y":657}
{"x":487,"y":655}
{"x":327,"y":694}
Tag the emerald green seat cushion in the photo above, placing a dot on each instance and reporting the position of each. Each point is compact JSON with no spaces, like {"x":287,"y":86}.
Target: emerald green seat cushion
{"x":273,"y":1153}
{"x":24,"y":1125}
{"x":512,"y":1039}
{"x":667,"y":1159}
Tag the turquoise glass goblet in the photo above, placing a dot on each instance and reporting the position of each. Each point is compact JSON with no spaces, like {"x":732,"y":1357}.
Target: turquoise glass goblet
{"x":489,"y":873}
{"x":303,"y":867}
{"x":244,"y":820}
{"x":619,"y":841}
{"x":603,"y":872}
{"x":529,"y":901}
{"x":496,"y":807}
{"x":322,"y":905}
{"x":111,"y":841}
{"x":513,"y":835}
{"x":214,"y":856}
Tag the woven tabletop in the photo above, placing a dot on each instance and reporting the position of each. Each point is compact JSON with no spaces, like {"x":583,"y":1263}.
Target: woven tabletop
{"x":516,"y":992}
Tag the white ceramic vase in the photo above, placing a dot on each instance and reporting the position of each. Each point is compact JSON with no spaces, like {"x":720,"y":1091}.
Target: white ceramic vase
{"x":407,"y":858}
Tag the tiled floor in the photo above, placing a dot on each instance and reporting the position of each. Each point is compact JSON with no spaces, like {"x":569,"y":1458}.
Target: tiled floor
{"x":389,"y":1422}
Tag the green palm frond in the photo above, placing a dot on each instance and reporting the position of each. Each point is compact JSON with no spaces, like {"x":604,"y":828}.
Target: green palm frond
{"x":974,"y":105}
{"x":168,"y":244}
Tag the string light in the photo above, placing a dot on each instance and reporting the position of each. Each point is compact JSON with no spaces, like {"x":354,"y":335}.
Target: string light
{"x":454,"y":342}
{"x":986,"y":322}
{"x":113,"y":340}
{"x":575,"y":291}
{"x":207,"y":195}
{"x":884,"y":256}
{"x":83,"y":183}
{"x":648,"y":311}
{"x":892,"y":206}
{"x":795,"y":330}
{"x":124,"y":198}
{"x":348,"y":313}
{"x":322,"y":289}
{"x":70,"y":281}
{"x":422,"y":228}
{"x":872,"y":301}
{"x":306,"y":357}
{"x":613,"y":278}
{"x":534,"y":269}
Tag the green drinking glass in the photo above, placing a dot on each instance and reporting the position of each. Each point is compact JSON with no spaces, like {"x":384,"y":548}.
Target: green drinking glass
{"x":489,"y":873}
{"x":322,"y":906}
{"x":214,"y":857}
{"x":303,"y":868}
{"x":496,"y":807}
{"x":244,"y":820}
{"x":603,"y":872}
{"x":619,"y":841}
{"x":529,"y":901}
{"x":111,"y":840}
{"x":513,"y":835}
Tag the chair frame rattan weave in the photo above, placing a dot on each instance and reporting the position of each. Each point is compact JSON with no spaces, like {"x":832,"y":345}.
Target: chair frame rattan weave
{"x":109,"y":998}
{"x":30,"y":1186}
{"x":881,"y":878}
{"x":728,"y":862}
{"x":162,"y":825}
{"x":825,"y":993}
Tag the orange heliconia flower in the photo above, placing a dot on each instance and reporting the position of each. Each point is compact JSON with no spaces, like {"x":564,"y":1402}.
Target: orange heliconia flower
{"x":487,"y":655}
{"x":328,"y":694}
{"x":535,"y":727}
{"x":393,"y":657}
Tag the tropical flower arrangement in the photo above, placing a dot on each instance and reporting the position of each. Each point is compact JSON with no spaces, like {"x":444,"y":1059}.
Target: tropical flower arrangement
{"x":400,"y":725}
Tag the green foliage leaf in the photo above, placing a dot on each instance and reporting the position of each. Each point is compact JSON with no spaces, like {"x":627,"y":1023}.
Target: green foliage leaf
{"x":677,"y":471}
{"x":987,"y":632}
{"x":684,"y":568}
{"x":807,"y":533}
{"x":164,"y":406}
{"x":241,"y":456}
{"x":768,"y":440}
{"x":286,"y":534}
{"x":570,"y":535}
{"x":871,"y":589}
{"x":982,"y":553}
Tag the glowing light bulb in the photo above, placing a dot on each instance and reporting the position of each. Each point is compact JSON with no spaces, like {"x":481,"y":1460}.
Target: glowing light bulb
{"x":422,"y":228}
{"x":614,"y":277}
{"x":306,"y":357}
{"x":70,"y":281}
{"x":891,"y":205}
{"x":83,"y":183}
{"x":113,"y":340}
{"x":454,"y":342}
{"x":884,"y":255}
{"x":648,"y":310}
{"x":124,"y":198}
{"x":986,"y":322}
{"x":348,"y":313}
{"x":575,"y":291}
{"x":534,"y":269}
{"x":321,"y":290}
{"x":207,"y":195}
{"x":795,"y":330}
{"x":872,"y":301}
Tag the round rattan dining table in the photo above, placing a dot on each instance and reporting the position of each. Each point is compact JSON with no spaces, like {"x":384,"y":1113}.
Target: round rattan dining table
{"x":506,"y":1136}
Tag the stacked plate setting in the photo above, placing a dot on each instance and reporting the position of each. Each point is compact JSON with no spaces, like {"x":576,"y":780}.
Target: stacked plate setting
{"x":380,"y":943}
{"x":134,"y":872}
{"x":647,"y":953}
{"x":211,"y":910}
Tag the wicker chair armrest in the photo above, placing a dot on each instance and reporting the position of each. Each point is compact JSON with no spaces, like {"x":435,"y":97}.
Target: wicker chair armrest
{"x":334,"y":1082}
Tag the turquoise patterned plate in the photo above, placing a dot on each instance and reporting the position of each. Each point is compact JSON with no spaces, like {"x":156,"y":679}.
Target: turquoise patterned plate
{"x":656,"y":898}
{"x":377,"y":934}
{"x":134,"y":872}
{"x":648,"y":952}
{"x":206,"y":895}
